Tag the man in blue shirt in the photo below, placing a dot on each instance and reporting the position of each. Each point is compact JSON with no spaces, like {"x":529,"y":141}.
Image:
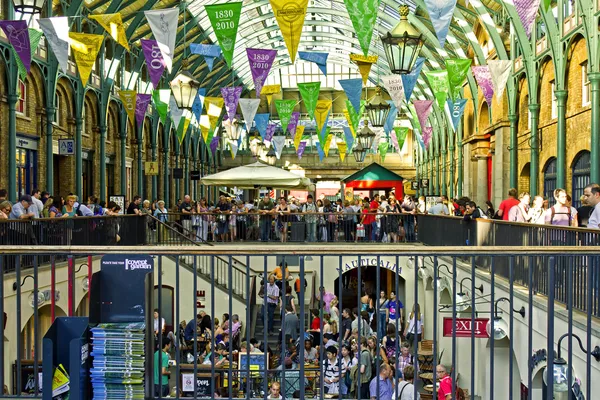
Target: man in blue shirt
{"x":188,"y":334}
{"x":385,"y":384}
{"x":21,"y":210}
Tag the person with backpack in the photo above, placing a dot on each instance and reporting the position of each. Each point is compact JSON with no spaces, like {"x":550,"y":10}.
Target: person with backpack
{"x":405,"y":390}
{"x":520,"y":212}
{"x":561,"y":213}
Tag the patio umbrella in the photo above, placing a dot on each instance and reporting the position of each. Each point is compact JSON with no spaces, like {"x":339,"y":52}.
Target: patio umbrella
{"x":258,"y":175}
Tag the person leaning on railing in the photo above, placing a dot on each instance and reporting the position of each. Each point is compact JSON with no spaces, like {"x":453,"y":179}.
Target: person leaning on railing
{"x":5,"y":209}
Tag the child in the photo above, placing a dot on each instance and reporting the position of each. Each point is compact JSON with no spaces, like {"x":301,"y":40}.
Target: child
{"x":331,"y":371}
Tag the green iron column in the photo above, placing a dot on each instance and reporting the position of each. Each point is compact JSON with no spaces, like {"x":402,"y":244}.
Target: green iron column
{"x":534,"y":110}
{"x":202,"y":158}
{"x":122,"y":162}
{"x":444,"y":170}
{"x":79,"y":155}
{"x":177,"y":181}
{"x":514,"y":150}
{"x":460,"y":170}
{"x":50,"y":112}
{"x":12,"y":145}
{"x":186,"y":173}
{"x":140,"y":165}
{"x":452,"y":164}
{"x":417,"y":165}
{"x":595,"y":134}
{"x":154,"y":147}
{"x":561,"y":138}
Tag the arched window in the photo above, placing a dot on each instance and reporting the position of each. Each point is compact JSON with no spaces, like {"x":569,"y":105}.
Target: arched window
{"x":581,"y":176}
{"x":550,"y":180}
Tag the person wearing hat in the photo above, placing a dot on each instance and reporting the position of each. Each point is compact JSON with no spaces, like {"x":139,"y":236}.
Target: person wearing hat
{"x":331,"y":371}
{"x":21,"y":210}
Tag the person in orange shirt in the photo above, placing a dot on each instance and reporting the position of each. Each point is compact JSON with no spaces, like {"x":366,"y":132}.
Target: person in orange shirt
{"x":278,"y":272}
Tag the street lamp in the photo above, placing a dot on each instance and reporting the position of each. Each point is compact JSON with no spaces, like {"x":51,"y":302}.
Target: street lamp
{"x":271,"y":156}
{"x":359,"y":153}
{"x":29,"y":6}
{"x":500,"y":326}
{"x":442,"y":281}
{"x":402,"y":45}
{"x":256,"y":146}
{"x":561,"y":369}
{"x":463,"y":298}
{"x":233,"y":129}
{"x":184,"y":87}
{"x":378,"y":109}
{"x":366,"y":136}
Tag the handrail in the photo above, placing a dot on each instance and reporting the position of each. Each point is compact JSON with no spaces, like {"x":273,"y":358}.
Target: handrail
{"x":176,"y":231}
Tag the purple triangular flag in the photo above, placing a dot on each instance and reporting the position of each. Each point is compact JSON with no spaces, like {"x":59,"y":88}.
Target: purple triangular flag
{"x":260,"y":61}
{"x":295,"y":117}
{"x":214,"y":143}
{"x":231,"y":96}
{"x":423,"y":108}
{"x":427,"y":133}
{"x":484,"y":80}
{"x":18,"y":36}
{"x":141,"y":106}
{"x":301,"y":148}
{"x":155,"y":63}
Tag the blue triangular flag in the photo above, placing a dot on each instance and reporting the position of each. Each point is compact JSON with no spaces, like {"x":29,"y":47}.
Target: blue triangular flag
{"x":199,"y":103}
{"x":419,"y":139}
{"x":353,"y":89}
{"x":262,"y":121}
{"x":318,"y":58}
{"x":440,"y":13}
{"x":410,"y":80}
{"x":389,"y":122}
{"x":455,"y":111}
{"x":209,"y":51}
{"x":320,"y":151}
{"x":349,"y":138}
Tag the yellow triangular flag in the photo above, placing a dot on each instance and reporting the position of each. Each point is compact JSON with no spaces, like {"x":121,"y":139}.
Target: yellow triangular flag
{"x":129,"y":99}
{"x":342,"y":148}
{"x":298,"y":137}
{"x":290,"y":16}
{"x":347,"y":115}
{"x":321,"y":113}
{"x":269,"y":91}
{"x":85,"y":50}
{"x":327,"y":145}
{"x":113,"y":24}
{"x":214,"y":106}
{"x":204,"y":127}
{"x":364,"y":64}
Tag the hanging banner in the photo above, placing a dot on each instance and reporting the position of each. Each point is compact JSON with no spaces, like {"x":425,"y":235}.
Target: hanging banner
{"x":214,"y":106}
{"x":141,"y":105}
{"x":205,"y":128}
{"x":394,"y":139}
{"x":262,"y":122}
{"x":310,"y":95}
{"x":353,"y":90}
{"x":284,"y":110}
{"x":440,"y":13}
{"x":484,"y":81}
{"x":298,"y":137}
{"x":113,"y":25}
{"x":176,"y":113}
{"x":353,"y":116}
{"x":349,"y":137}
{"x":457,"y":74}
{"x":225,"y":19}
{"x":427,"y":134}
{"x":293,"y":123}
{"x":419,"y":139}
{"x":233,"y":145}
{"x":162,"y":107}
{"x":163,"y":24}
{"x":391,"y":118}
{"x":214,"y":143}
{"x":383,"y":149}
{"x":438,"y":80}
{"x":18,"y":37}
{"x":527,"y":11}
{"x":129,"y":98}
{"x":290,"y":16}
{"x":394,"y":86}
{"x":34,"y":41}
{"x":364,"y":64}
{"x":327,"y":145}
{"x":363,"y":14}
{"x":455,"y":110}
{"x":198,"y":104}
{"x":320,"y":151}
{"x":260,"y":61}
{"x":378,"y":135}
{"x":300,"y":149}
{"x":56,"y":31}
{"x":499,"y":72}
{"x":231,"y":96}
{"x":155,"y":63}
{"x":318,"y":58}
{"x":278,"y":144}
{"x":322,"y":136}
{"x":322,"y":113}
{"x":400,"y":133}
{"x":85,"y":50}
{"x":210,"y":52}
{"x":342,"y":149}
{"x":269,"y":135}
{"x":269,"y":91}
{"x":410,"y":80}
{"x":423,"y":108}
{"x":182,"y":129}
{"x":249,"y":108}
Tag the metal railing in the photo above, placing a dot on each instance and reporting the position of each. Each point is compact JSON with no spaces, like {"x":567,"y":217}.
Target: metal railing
{"x":487,"y":341}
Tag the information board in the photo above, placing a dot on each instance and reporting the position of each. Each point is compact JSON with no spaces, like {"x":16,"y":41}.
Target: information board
{"x":120,"y":200}
{"x":256,"y":360}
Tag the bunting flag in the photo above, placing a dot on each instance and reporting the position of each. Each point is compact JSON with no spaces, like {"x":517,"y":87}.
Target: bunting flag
{"x":363,"y":14}
{"x":176,"y":113}
{"x":391,"y":118}
{"x":455,"y":110}
{"x":225,"y":19}
{"x":400,"y":133}
{"x":499,"y":72}
{"x":394,"y":86}
{"x":269,"y":135}
{"x":484,"y":81}
{"x":300,"y":149}
{"x":327,"y":145}
{"x":182,"y":129}
{"x":351,"y":127}
{"x":364,"y":64}
{"x":210,"y":52}
{"x":349,"y":137}
{"x":129,"y":98}
{"x":198,"y":104}
{"x":231,"y":96}
{"x":18,"y":37}
{"x":440,"y":13}
{"x":438,"y":80}
{"x":322,"y":113}
{"x":320,"y":151}
{"x":113,"y":25}
{"x":34,"y":41}
{"x":383,"y":149}
{"x":322,"y":134}
{"x":260,"y":61}
{"x":342,"y":149}
{"x":56,"y":31}
{"x":162,"y":107}
{"x":353,"y":116}
{"x":85,"y":49}
{"x":214,"y":143}
{"x":457,"y":74}
{"x":163,"y":24}
{"x":318,"y":58}
{"x":233,"y":145}
{"x":353,"y":90}
{"x":298,"y":137}
{"x":284,"y":110}
{"x":423,"y":108}
{"x":141,"y":105}
{"x":394,"y":139}
{"x":427,"y":134}
{"x":205,"y":128}
{"x":378,"y":135}
{"x":293,"y":123}
{"x":419,"y":139}
{"x":249,"y":108}
{"x":262,"y":122}
{"x":214,"y":106}
{"x":310,"y":95}
{"x":155,"y":62}
{"x":290,"y":16}
{"x":527,"y":11}
{"x":278,"y":144}
{"x":269,"y":91}
{"x":410,"y":80}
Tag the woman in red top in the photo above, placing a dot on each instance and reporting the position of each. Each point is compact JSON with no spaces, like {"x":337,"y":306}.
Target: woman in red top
{"x":367,"y":218}
{"x":315,"y":325}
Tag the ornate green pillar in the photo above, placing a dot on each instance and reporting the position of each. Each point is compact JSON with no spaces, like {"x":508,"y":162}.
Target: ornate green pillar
{"x":534,"y":111}
{"x":154,"y":147}
{"x":186,"y":173}
{"x":460,"y":169}
{"x":140,"y":165}
{"x":594,"y":78}
{"x":417,"y":164}
{"x":561,"y":138}
{"x":514,"y":149}
{"x":123,"y":155}
{"x":50,"y":86}
{"x":166,"y":160}
{"x":79,"y":155}
{"x":202,"y":160}
{"x":12,"y":99}
{"x":451,"y":162}
{"x":177,"y":181}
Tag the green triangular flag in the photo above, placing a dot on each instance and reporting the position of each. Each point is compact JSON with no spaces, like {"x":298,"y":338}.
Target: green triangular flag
{"x":225,"y":20}
{"x":355,"y":116}
{"x":363,"y":14}
{"x":438,"y":80}
{"x":457,"y":74}
{"x":284,"y":110}
{"x":310,"y":95}
{"x":401,"y":133}
{"x":161,"y":108}
{"x":34,"y":42}
{"x":383,"y":148}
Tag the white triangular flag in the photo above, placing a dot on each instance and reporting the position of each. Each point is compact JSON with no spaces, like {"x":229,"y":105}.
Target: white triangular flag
{"x":233,"y":145}
{"x":500,"y":71}
{"x":393,"y":84}
{"x":249,"y":108}
{"x":56,"y":30}
{"x":176,"y":113}
{"x":163,"y":24}
{"x":278,"y":143}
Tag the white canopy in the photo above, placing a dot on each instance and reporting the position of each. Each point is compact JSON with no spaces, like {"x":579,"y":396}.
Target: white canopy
{"x":258,"y":175}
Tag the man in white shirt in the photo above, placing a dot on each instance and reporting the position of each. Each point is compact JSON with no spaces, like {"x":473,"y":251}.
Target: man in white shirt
{"x":592,"y":195}
{"x":439,"y":208}
{"x":35,"y":197}
{"x":405,"y":390}
{"x":272,"y":300}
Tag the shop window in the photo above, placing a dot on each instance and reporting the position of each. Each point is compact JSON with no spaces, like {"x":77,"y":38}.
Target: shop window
{"x":550,"y":181}
{"x":581,"y":176}
{"x":586,"y":91}
{"x":57,"y":100}
{"x":554,"y":101}
{"x":21,"y":104}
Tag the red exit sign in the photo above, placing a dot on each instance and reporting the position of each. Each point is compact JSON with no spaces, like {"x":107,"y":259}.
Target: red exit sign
{"x":465,"y":326}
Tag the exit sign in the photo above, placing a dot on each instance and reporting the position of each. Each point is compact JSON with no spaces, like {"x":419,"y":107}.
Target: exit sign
{"x":465,"y":326}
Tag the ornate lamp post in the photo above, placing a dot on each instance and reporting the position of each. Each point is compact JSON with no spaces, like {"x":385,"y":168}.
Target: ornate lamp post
{"x":271,"y":156}
{"x":184,"y":87}
{"x":359,"y":153}
{"x":402,"y":45}
{"x":366,"y":136}
{"x":29,"y":6}
{"x":378,"y":109}
{"x":233,"y":129}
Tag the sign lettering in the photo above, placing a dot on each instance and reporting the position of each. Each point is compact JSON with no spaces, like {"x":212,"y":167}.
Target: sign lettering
{"x":465,"y":327}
